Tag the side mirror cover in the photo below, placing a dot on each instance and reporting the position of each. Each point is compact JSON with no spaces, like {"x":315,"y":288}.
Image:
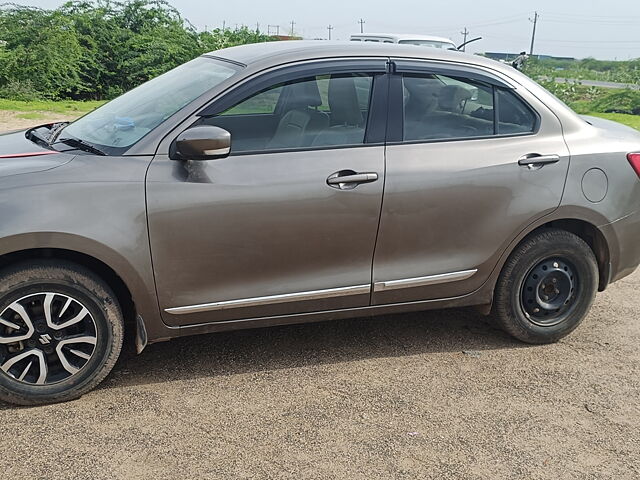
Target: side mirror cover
{"x":204,"y":142}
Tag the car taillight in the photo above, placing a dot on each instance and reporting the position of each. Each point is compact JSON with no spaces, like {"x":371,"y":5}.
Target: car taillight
{"x":634,"y":160}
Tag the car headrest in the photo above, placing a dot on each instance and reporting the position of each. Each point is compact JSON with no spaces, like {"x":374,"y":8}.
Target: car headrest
{"x":304,"y":94}
{"x":343,"y":101}
{"x":423,"y":94}
{"x":452,"y":96}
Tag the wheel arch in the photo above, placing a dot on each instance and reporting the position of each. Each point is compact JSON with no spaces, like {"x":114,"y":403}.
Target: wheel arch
{"x":591,"y":235}
{"x":131,"y":279}
{"x":98,"y":267}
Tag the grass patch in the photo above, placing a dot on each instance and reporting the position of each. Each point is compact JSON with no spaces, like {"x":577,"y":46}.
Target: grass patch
{"x":65,"y":107}
{"x":32,"y":116}
{"x":630,"y":120}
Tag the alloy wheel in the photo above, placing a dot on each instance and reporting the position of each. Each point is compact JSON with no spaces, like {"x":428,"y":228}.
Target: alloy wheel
{"x":45,"y":338}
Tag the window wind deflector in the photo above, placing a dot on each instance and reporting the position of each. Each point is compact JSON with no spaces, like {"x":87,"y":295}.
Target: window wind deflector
{"x":407,"y":66}
{"x":291,"y":74}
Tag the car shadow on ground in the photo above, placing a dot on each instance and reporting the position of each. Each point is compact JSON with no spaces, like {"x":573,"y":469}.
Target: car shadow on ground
{"x":311,"y":344}
{"x":294,"y":346}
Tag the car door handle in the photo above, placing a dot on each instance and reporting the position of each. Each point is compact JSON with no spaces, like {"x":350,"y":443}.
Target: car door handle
{"x":535,"y":160}
{"x":348,"y":179}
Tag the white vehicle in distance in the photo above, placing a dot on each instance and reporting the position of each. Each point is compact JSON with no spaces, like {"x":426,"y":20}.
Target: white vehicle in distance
{"x":406,"y":39}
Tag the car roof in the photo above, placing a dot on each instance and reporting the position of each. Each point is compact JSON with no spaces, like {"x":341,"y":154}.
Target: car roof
{"x":276,"y":53}
{"x":402,"y":36}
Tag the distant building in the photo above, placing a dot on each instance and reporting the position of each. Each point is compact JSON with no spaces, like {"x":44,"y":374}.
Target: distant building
{"x":510,"y":56}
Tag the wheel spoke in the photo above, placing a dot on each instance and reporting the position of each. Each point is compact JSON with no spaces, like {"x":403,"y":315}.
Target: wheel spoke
{"x":9,"y":324}
{"x":64,"y":308}
{"x":20,"y":310}
{"x":80,"y":354}
{"x":48,"y":313}
{"x":25,"y":371}
{"x":5,"y":367}
{"x":70,"y":341}
{"x":78,"y":318}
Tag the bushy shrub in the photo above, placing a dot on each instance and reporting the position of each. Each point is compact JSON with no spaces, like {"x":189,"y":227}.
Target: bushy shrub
{"x":20,"y":90}
{"x":626,"y":101}
{"x":94,"y":50}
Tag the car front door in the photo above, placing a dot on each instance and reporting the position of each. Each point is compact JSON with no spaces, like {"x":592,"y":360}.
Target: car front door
{"x":471,"y":162}
{"x":287,"y":223}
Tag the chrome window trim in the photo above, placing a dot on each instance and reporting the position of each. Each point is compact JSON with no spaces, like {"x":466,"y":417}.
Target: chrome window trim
{"x":423,"y":281}
{"x":272,"y":299}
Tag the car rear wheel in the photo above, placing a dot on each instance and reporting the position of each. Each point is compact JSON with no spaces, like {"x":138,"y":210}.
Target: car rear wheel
{"x":61,"y":332}
{"x":547,"y":287}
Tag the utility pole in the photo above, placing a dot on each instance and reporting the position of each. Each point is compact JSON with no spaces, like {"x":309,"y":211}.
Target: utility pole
{"x":257,"y":27}
{"x":224,"y":25}
{"x":293,"y":24}
{"x":465,"y":33}
{"x":361,"y":22}
{"x":329,"y":28}
{"x":533,"y":35}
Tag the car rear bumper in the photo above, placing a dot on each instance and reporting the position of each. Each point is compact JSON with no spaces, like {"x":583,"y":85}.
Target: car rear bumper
{"x":623,"y":237}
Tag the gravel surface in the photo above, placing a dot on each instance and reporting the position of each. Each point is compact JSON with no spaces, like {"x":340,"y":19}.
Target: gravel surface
{"x":423,"y":395}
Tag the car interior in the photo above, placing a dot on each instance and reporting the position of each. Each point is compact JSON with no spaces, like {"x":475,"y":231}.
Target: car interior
{"x":317,"y":112}
{"x":438,"y":107}
{"x":332,"y":110}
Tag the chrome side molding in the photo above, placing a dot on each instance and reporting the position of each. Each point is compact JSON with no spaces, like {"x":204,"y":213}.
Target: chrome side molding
{"x":271,"y":299}
{"x":423,"y":281}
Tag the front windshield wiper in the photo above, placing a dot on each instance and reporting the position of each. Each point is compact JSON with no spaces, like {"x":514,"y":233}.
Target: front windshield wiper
{"x":56,"y":129}
{"x":80,"y":145}
{"x":36,"y":137}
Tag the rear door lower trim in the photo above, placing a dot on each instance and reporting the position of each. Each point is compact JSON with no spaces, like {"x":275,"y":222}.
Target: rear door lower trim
{"x":423,"y":281}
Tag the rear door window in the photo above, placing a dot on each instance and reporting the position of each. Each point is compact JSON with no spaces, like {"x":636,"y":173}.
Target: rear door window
{"x":438,"y":107}
{"x":514,"y":116}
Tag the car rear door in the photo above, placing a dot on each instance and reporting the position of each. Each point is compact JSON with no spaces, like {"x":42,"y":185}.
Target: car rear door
{"x":287,"y":223}
{"x":471,"y":161}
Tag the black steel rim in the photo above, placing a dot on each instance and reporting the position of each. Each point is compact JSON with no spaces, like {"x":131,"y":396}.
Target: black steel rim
{"x":549,"y":291}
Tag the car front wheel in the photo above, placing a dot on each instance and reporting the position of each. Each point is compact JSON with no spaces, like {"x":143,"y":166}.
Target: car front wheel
{"x":546,"y":287}
{"x":61,"y":332}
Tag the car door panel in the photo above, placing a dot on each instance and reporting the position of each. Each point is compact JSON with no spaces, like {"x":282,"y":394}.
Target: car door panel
{"x":451,"y":207}
{"x":253,"y":226}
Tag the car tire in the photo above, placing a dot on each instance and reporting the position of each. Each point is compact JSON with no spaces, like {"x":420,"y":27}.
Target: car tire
{"x":74,"y":339}
{"x":546,"y":287}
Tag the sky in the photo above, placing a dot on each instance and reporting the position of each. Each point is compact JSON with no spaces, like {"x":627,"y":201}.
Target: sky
{"x":571,"y":28}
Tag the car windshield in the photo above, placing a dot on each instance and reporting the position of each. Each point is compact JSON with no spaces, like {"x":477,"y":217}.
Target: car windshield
{"x":428,"y":43}
{"x":117,"y":125}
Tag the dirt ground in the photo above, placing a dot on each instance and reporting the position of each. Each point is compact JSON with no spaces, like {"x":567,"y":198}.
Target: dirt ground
{"x":424,"y":395}
{"x":14,"y":121}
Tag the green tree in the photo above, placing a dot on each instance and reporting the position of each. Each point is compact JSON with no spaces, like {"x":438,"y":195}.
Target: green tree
{"x":98,"y":49}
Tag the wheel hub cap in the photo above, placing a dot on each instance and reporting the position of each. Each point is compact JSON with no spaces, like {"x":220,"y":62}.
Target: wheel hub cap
{"x":46,"y":338}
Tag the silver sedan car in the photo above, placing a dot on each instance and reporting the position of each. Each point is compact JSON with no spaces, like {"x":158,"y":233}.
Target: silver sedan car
{"x":301,"y":181}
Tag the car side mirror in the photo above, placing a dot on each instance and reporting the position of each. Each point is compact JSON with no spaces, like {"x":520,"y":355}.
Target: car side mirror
{"x":204,"y":142}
